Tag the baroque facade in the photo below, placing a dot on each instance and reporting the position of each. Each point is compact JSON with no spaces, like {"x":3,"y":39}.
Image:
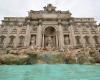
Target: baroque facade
{"x":49,"y":28}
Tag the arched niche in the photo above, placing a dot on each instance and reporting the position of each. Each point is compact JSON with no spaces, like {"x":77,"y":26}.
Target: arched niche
{"x":50,"y":37}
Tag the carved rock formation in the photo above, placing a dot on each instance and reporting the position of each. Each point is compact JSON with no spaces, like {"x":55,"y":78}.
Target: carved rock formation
{"x":30,"y":56}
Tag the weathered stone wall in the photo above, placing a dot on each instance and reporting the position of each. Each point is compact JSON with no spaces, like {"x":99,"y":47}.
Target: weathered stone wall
{"x":30,"y":31}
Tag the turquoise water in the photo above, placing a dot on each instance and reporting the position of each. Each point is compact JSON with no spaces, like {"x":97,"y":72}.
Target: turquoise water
{"x":50,"y":72}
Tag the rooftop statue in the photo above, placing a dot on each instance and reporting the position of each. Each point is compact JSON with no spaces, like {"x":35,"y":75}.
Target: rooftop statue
{"x":49,"y":8}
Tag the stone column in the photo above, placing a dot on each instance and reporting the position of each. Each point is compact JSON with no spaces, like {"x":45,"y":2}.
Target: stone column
{"x":43,"y":41}
{"x":39,"y":34}
{"x":72,"y":36}
{"x":92,"y":43}
{"x":16,"y":41}
{"x":61,"y":36}
{"x":28,"y":36}
{"x":7,"y":39}
{"x":56,"y":41}
{"x":82,"y":37}
{"x":17,"y":37}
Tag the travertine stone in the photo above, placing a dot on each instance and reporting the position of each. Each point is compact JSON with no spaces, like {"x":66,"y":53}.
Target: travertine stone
{"x":49,"y":28}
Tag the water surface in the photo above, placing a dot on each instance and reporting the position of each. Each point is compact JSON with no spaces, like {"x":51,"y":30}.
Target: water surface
{"x":50,"y":72}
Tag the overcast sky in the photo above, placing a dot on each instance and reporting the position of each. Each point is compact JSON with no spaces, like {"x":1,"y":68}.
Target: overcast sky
{"x":78,"y":8}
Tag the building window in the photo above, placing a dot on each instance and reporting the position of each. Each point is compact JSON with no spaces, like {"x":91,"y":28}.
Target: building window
{"x":2,"y":41}
{"x":23,"y":31}
{"x":87,"y":39}
{"x":84,"y":31}
{"x":4,"y":31}
{"x":93,"y":30}
{"x":21,"y":41}
{"x":77,"y":39}
{"x":96,"y":39}
{"x":11,"y":42}
{"x":14,"y":31}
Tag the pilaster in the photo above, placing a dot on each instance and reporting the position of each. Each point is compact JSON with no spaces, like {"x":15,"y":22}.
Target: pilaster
{"x":27,"y":39}
{"x":61,"y":36}
{"x":39,"y":34}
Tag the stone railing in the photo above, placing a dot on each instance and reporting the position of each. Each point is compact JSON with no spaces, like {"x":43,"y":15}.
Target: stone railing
{"x":84,"y":19}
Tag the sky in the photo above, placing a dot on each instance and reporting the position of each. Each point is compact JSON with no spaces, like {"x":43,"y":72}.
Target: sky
{"x":78,"y":8}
